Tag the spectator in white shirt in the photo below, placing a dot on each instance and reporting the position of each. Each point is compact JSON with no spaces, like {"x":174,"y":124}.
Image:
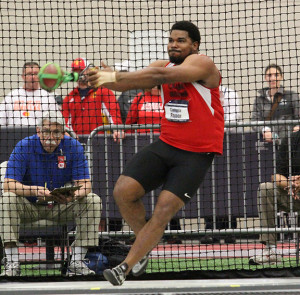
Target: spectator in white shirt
{"x":24,"y":106}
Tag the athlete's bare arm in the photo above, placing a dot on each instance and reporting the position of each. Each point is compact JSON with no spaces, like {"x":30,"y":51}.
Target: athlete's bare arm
{"x":194,"y":68}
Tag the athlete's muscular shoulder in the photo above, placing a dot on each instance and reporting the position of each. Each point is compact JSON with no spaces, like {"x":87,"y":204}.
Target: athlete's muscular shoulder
{"x":159,"y":64}
{"x":201,"y":68}
{"x":199,"y":59}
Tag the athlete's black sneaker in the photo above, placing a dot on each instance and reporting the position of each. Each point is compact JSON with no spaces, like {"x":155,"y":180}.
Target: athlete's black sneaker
{"x":141,"y":266}
{"x":116,"y":275}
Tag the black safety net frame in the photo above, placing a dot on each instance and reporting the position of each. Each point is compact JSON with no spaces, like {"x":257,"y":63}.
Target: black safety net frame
{"x":218,"y":231}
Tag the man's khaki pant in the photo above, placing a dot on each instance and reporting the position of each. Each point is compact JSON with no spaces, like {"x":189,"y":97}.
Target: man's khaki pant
{"x":86,"y":212}
{"x":266,"y":207}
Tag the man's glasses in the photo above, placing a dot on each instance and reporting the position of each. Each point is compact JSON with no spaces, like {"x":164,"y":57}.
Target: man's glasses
{"x":54,"y":133}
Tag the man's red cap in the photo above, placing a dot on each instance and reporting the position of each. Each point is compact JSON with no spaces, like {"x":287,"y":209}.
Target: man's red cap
{"x":79,"y":64}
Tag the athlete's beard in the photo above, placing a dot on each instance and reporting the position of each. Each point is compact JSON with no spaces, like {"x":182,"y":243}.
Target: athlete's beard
{"x":177,"y":60}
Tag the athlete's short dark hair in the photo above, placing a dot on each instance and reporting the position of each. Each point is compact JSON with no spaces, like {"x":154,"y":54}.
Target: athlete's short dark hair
{"x":189,"y":27}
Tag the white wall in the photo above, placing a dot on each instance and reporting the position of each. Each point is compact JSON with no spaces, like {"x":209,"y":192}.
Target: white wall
{"x":242,"y":36}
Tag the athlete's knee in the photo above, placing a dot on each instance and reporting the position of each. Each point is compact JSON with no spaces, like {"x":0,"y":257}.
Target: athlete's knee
{"x":161,"y":221}
{"x":167,"y":206}
{"x":163,"y":214}
{"x":127,"y":190}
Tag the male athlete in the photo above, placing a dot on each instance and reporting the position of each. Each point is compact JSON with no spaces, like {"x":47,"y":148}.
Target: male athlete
{"x":191,"y":134}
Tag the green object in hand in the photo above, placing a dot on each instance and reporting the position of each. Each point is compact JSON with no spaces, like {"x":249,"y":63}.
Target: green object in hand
{"x":51,"y":76}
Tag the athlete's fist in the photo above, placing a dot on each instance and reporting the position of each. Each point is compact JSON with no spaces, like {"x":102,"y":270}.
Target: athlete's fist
{"x":97,"y":77}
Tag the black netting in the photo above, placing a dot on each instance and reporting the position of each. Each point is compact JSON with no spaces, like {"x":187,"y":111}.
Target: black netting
{"x":219,"y":230}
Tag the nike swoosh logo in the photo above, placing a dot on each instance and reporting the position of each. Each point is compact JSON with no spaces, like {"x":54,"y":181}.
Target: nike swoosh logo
{"x":186,"y":195}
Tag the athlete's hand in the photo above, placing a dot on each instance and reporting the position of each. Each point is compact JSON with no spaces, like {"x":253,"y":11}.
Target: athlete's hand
{"x":106,"y":68}
{"x":97,"y":77}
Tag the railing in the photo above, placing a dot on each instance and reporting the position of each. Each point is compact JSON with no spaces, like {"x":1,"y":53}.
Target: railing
{"x":247,"y":161}
{"x":228,"y":190}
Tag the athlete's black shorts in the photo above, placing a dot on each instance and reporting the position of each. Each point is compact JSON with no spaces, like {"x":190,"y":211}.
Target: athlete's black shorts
{"x":180,"y":172}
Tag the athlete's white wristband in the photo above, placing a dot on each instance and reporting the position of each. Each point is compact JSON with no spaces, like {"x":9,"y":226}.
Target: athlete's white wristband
{"x":106,"y":77}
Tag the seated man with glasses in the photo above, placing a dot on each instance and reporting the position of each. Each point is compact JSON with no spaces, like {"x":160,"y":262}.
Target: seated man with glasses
{"x":38,"y":165}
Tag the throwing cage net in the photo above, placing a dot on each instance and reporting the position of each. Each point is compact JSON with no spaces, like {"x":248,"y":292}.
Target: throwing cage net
{"x":218,"y":232}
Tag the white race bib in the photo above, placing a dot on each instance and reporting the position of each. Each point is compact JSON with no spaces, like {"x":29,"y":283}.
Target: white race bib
{"x":177,"y":111}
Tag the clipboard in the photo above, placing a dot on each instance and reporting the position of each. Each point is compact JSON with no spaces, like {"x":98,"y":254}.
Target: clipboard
{"x":65,"y":190}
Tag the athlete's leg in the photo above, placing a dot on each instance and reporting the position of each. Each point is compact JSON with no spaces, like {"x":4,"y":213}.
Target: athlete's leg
{"x":143,"y":173}
{"x":128,"y":193}
{"x":150,"y":234}
{"x":180,"y":185}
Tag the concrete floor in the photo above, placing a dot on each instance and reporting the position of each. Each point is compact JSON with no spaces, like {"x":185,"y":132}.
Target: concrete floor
{"x":230,"y":286}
